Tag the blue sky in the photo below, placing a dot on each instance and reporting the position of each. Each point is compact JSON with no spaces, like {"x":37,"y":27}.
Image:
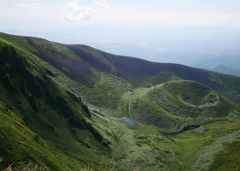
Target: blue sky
{"x":43,"y":15}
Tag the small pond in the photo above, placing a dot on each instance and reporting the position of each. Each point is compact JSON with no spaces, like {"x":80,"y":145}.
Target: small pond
{"x":129,"y":121}
{"x":135,"y":92}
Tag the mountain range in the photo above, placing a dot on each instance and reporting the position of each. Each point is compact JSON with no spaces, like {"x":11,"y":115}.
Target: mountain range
{"x":62,"y":107}
{"x":211,"y":48}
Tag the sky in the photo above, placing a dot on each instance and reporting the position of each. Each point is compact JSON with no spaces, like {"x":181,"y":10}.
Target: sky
{"x":42,"y":15}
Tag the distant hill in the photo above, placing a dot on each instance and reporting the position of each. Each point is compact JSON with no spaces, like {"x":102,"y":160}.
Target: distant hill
{"x":131,"y":69}
{"x":227,"y":70}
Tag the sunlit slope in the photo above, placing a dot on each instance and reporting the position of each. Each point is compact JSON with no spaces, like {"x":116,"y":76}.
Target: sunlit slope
{"x":45,"y":107}
{"x":178,"y":102}
{"x":19,"y":144}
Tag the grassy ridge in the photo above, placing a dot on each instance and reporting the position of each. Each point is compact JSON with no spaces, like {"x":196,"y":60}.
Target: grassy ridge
{"x":90,"y":51}
{"x":16,"y":41}
{"x":191,"y":92}
{"x":51,"y":47}
{"x":174,"y":103}
{"x":163,"y":77}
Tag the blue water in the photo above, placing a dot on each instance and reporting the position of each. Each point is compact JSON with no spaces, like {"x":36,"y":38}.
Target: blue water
{"x":211,"y":103}
{"x":135,"y":92}
{"x":129,"y":121}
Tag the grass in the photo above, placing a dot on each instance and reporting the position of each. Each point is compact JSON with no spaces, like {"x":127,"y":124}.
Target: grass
{"x":103,"y":167}
{"x":66,"y":127}
{"x":91,"y":167}
{"x":228,"y":159}
{"x":230,"y":83}
{"x":19,"y":143}
{"x":163,"y":77}
{"x":104,"y":96}
{"x":166,"y":106}
{"x":127,"y":154}
{"x":51,"y":47}
{"x":187,"y":145}
{"x":65,"y":70}
{"x":190,"y":92}
{"x":192,"y":143}
{"x":16,"y":41}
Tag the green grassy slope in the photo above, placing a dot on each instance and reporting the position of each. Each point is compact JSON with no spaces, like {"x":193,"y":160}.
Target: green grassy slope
{"x":51,"y":47}
{"x":230,"y":83}
{"x":48,"y":109}
{"x":16,"y":41}
{"x":163,"y":77}
{"x":20,"y":145}
{"x":183,"y":102}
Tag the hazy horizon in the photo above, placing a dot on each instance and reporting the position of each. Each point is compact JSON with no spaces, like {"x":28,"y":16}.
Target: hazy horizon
{"x":42,"y":15}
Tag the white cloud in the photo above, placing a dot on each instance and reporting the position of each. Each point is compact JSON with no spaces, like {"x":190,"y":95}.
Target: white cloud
{"x":29,"y":4}
{"x":103,"y":3}
{"x":78,"y":12}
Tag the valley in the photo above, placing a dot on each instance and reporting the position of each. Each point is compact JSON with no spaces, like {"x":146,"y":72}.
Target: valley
{"x":61,"y":108}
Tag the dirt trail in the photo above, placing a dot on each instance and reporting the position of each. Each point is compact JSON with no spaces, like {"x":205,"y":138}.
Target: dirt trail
{"x":129,"y":113}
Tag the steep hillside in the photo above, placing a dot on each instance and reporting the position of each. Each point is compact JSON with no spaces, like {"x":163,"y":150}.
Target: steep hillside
{"x":48,"y":109}
{"x":21,"y":145}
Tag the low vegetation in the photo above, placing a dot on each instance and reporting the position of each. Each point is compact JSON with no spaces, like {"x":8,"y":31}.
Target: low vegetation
{"x":51,"y":119}
{"x":177,"y":105}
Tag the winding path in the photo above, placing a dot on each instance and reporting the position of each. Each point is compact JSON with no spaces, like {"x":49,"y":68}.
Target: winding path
{"x":129,"y":107}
